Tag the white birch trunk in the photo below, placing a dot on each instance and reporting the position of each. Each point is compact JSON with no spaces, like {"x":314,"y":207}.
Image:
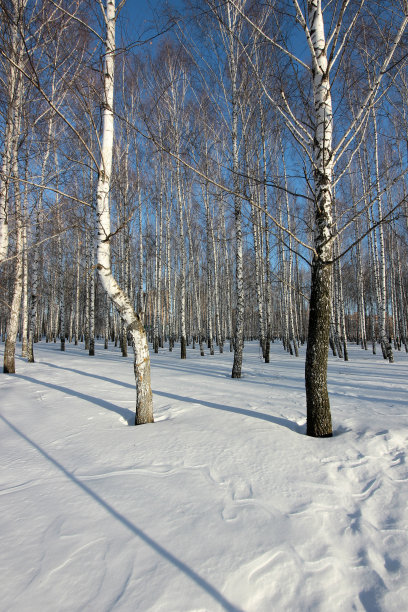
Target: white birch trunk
{"x":144,"y":400}
{"x":402,"y":316}
{"x":360,"y":293}
{"x":157,"y":340}
{"x":195,"y":298}
{"x":12,"y":126}
{"x":228,"y":282}
{"x":212,"y":268}
{"x":87,"y":304}
{"x":268,"y":293}
{"x":91,"y":299}
{"x":34,"y":290}
{"x":213,"y":254}
{"x":232,"y":18}
{"x":256,"y":231}
{"x":382,"y":302}
{"x":169,"y":283}
{"x":77,"y":290}
{"x":140,"y":301}
{"x":24,"y":314}
{"x":12,"y":325}
{"x":182,"y":247}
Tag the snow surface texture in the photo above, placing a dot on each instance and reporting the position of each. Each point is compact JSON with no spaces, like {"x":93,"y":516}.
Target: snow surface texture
{"x":223,"y":504}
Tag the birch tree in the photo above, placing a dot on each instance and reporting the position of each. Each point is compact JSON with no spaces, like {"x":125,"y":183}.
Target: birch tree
{"x":13,"y":322}
{"x":9,"y":180}
{"x":144,"y":400}
{"x":13,"y":17}
{"x":316,"y":138}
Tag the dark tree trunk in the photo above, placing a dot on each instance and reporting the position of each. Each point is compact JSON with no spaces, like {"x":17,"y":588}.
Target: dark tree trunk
{"x":317,"y":398}
{"x":183,"y":351}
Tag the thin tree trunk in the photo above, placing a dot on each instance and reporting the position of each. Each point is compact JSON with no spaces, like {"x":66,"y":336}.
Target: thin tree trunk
{"x":382,"y":305}
{"x":34,"y":289}
{"x":24,"y":314}
{"x":77,"y":290}
{"x":91,"y":299}
{"x":60,"y":265}
{"x":182,"y":247}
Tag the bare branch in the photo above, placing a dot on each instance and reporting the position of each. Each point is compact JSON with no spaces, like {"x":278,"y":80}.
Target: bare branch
{"x":268,"y":38}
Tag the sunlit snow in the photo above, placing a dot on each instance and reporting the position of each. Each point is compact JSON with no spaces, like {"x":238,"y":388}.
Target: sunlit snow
{"x":222,"y":504}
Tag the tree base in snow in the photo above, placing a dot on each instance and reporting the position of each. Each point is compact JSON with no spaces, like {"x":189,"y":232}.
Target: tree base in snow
{"x":317,"y":435}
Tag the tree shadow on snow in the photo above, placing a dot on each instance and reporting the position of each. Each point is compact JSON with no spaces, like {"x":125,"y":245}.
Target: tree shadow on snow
{"x":125,"y":413}
{"x":292,"y":425}
{"x":268,"y":378}
{"x":129,"y":416}
{"x":158,"y":548}
{"x":90,"y":375}
{"x":340,"y":430}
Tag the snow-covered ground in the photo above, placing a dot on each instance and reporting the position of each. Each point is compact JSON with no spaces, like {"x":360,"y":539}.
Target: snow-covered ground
{"x":222,"y":504}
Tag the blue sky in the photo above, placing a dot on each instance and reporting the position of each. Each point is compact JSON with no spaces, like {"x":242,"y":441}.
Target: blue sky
{"x":140,"y":14}
{"x":143,"y":16}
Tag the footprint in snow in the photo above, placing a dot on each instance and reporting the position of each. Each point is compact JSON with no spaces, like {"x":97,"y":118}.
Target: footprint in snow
{"x":239,"y":491}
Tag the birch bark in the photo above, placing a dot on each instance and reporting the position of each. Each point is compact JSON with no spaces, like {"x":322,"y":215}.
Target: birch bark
{"x":12,"y":121}
{"x":158,"y":340}
{"x":382,"y":301}
{"x":12,"y":325}
{"x":268,"y":296}
{"x":91,"y":298}
{"x":317,"y":398}
{"x":77,"y":290}
{"x":183,"y":262}
{"x":24,"y":314}
{"x":144,"y":400}
{"x":232,"y":20}
{"x":34,"y":287}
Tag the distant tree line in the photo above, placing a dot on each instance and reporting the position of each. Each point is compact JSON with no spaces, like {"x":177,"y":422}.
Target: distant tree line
{"x":243,"y":177}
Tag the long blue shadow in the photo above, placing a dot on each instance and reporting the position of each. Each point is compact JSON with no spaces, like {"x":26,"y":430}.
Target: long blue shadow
{"x":123,"y":412}
{"x":183,"y":567}
{"x":82,"y":373}
{"x":190,"y":400}
{"x":244,"y":411}
{"x":177,"y":369}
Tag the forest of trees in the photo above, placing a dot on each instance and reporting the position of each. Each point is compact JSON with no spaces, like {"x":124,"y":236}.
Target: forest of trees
{"x":239,"y":172}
